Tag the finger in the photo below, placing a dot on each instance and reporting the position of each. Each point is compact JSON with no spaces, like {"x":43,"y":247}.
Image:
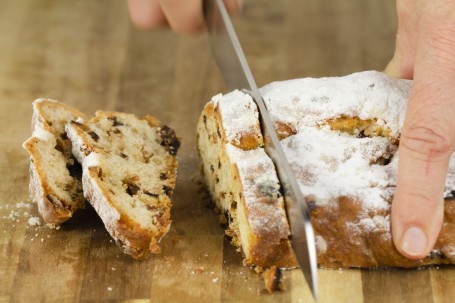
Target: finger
{"x":146,"y":14}
{"x":402,"y":63}
{"x":428,"y":136}
{"x":185,"y":16}
{"x":233,"y":6}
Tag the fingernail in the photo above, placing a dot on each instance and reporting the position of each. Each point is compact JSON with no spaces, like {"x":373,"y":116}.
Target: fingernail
{"x":414,"y":241}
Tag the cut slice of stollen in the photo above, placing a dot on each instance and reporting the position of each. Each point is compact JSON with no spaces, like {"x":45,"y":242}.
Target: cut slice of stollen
{"x":129,"y":171}
{"x":55,"y":175}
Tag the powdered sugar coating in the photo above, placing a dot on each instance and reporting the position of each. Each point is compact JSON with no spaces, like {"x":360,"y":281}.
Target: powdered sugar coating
{"x":34,"y":221}
{"x":261,"y":190}
{"x":93,"y":159}
{"x":239,"y":115}
{"x":366,"y":95}
{"x":329,"y":164}
{"x":321,"y":244}
{"x":43,"y":135}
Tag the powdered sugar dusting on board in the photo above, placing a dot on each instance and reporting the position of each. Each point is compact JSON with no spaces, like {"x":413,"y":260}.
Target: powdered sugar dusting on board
{"x":366,"y":95}
{"x":238,"y":113}
{"x":263,"y":201}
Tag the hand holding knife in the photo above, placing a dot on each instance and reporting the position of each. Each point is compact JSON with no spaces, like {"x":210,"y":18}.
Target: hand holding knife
{"x":229,"y":56}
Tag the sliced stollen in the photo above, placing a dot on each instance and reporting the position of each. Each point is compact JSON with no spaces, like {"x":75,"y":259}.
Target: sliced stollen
{"x":129,"y":173}
{"x":242,"y":180}
{"x":341,"y":137}
{"x":55,"y":175}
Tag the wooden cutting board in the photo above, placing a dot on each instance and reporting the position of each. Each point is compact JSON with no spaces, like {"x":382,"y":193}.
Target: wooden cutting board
{"x":87,"y":54}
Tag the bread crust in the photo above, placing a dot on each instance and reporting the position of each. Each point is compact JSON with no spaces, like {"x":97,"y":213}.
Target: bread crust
{"x":52,"y":213}
{"x":54,"y":207}
{"x":375,"y":248}
{"x":131,"y":237}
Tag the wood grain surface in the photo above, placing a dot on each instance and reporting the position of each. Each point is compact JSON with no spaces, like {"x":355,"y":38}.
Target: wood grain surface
{"x":87,"y":54}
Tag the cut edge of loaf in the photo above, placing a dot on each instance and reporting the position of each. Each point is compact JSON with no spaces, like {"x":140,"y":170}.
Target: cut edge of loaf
{"x":133,"y":237}
{"x":261,"y":246}
{"x":55,"y":185}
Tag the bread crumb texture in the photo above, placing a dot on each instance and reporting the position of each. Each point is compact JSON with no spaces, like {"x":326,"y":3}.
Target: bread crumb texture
{"x":129,"y":170}
{"x":55,"y":175}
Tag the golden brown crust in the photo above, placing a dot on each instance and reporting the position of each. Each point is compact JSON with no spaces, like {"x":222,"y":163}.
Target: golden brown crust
{"x":44,"y":107}
{"x":246,"y":139}
{"x":153,"y":122}
{"x":273,"y":279}
{"x":284,"y":130}
{"x":266,"y":254}
{"x":376,"y":248}
{"x":364,"y":128}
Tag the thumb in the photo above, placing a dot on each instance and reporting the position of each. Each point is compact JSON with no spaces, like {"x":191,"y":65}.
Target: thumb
{"x":146,"y":14}
{"x":427,"y":139}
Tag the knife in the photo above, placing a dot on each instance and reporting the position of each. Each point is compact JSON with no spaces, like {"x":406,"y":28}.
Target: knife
{"x":229,"y":56}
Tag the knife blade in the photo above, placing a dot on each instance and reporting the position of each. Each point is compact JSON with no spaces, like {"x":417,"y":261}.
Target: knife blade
{"x":229,"y":56}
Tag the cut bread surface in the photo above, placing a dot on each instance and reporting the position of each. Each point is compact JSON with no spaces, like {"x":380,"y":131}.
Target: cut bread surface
{"x":55,"y":175}
{"x":341,"y":136}
{"x":242,"y":180}
{"x":129,"y":170}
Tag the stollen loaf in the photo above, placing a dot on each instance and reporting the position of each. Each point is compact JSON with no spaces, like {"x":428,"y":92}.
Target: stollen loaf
{"x":341,"y":136}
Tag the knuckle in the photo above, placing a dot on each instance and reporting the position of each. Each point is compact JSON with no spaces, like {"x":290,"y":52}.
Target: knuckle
{"x":424,"y":141}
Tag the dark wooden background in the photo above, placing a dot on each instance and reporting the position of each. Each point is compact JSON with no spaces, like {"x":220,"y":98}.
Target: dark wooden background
{"x":88,"y":54}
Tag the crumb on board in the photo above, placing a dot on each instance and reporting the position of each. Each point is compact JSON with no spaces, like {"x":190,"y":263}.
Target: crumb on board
{"x":273,"y":279}
{"x":20,"y":210}
{"x":199,"y":270}
{"x":34,"y":221}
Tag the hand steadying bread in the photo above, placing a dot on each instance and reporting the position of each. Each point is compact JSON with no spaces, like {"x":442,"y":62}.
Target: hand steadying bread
{"x":424,"y":52}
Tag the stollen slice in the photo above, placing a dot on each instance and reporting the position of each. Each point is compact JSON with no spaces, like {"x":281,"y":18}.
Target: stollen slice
{"x":129,"y":174}
{"x":55,"y":175}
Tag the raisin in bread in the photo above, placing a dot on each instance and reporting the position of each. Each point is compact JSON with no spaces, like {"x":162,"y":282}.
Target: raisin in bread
{"x":129,"y":170}
{"x":341,"y":137}
{"x":55,"y":175}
